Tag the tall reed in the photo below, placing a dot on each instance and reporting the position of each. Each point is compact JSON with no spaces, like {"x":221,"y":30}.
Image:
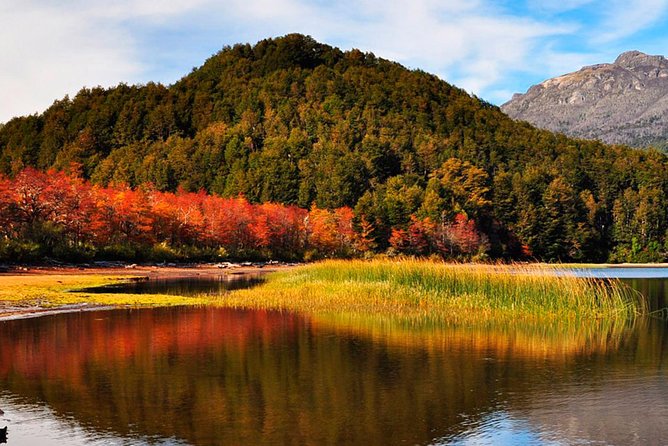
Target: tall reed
{"x":419,"y":288}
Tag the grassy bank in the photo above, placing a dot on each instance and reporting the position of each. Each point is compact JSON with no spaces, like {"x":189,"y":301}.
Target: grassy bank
{"x":458,"y":293}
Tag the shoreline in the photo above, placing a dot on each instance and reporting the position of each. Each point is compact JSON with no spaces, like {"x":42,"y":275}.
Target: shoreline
{"x":151,"y":271}
{"x":59,"y":277}
{"x":36,"y":307}
{"x":209,"y":269}
{"x":605,"y":265}
{"x":34,"y":312}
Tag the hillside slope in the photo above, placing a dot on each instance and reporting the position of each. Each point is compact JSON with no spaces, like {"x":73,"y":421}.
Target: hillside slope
{"x":293,"y":121}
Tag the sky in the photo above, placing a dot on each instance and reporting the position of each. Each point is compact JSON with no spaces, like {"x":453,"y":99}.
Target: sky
{"x":51,"y":48}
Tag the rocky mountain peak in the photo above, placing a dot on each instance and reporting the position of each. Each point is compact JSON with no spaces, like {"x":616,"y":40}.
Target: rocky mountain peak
{"x":635,"y":59}
{"x":621,"y":102}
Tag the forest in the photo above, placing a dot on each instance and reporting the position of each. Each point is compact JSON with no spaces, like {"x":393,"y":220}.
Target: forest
{"x":294,"y":149}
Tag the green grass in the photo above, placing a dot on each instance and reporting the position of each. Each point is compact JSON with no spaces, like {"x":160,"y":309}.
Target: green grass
{"x":414,"y":289}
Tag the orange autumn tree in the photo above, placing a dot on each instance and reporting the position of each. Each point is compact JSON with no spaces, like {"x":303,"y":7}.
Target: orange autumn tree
{"x":7,"y":207}
{"x":61,"y":215}
{"x":459,"y":237}
{"x":418,"y":239}
{"x":330,"y":232}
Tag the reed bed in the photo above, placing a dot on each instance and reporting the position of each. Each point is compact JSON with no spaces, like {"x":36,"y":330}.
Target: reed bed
{"x":454,"y":292}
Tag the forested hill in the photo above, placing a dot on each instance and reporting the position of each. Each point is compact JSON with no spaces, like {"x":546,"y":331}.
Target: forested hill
{"x":294,"y":121}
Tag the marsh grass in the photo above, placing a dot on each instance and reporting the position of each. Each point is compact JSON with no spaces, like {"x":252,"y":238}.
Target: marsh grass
{"x":416,"y":290}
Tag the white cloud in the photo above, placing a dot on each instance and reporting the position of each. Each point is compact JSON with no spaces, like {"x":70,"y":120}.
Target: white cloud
{"x":558,"y":6}
{"x":47,"y":53}
{"x":471,"y":43}
{"x":51,"y":50}
{"x":501,"y":96}
{"x":623,"y":18}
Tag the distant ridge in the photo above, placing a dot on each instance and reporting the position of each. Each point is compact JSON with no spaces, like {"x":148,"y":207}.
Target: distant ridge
{"x":621,"y":102}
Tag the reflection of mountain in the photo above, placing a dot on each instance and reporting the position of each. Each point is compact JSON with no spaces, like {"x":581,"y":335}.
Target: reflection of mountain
{"x":219,"y":376}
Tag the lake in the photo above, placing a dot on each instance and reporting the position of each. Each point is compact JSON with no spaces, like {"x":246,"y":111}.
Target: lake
{"x":650,"y":282}
{"x":183,"y":286}
{"x":214,"y":376}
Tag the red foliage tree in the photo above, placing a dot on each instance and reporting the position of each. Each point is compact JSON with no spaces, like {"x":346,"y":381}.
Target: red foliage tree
{"x":285,"y":229}
{"x":462,"y":236}
{"x":7,"y":208}
{"x":416,"y":240}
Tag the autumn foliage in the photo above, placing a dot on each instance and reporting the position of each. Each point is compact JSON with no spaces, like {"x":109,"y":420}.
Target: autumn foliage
{"x":58,"y":214}
{"x":423,"y":237}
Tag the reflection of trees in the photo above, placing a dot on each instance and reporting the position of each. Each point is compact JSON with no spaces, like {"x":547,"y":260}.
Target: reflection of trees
{"x":219,"y":376}
{"x":655,"y":290}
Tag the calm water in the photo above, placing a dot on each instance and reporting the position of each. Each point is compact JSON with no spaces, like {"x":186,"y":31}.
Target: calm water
{"x":650,"y":282}
{"x":218,"y":376}
{"x":183,"y":286}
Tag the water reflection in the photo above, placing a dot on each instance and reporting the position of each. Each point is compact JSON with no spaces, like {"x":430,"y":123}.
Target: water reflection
{"x":620,"y":272}
{"x":654,"y":290}
{"x":182,"y":286}
{"x":651,"y":283}
{"x":209,"y":376}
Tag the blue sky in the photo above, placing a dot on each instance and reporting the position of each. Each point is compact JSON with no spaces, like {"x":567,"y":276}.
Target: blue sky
{"x":50,"y":48}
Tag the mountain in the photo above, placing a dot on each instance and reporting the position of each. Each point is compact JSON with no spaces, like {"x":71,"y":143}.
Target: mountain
{"x":294,"y":121}
{"x":625,"y":102}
